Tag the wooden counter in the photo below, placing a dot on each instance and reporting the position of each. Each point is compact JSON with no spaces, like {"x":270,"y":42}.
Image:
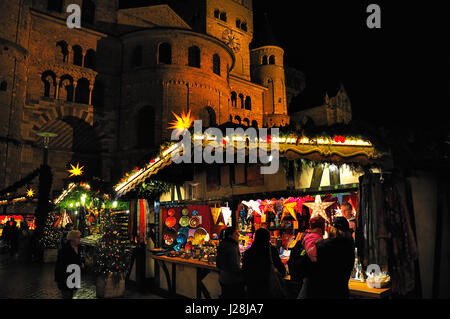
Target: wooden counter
{"x":194,"y":268}
{"x":360,"y":289}
{"x":357,"y":289}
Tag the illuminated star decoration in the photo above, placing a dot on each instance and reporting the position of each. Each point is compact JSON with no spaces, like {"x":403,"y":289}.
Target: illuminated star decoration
{"x":30,"y":192}
{"x":289,"y":208}
{"x":253,"y":204}
{"x":338,"y":212}
{"x":183,"y":123}
{"x":318,"y":207}
{"x":76,"y":171}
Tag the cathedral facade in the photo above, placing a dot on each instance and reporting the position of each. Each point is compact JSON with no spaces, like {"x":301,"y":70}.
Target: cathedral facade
{"x":108,"y":89}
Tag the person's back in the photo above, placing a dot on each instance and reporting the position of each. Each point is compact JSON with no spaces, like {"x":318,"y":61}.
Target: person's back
{"x":336,"y":257}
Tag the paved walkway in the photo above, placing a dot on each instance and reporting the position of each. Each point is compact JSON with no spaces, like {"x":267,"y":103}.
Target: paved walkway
{"x":21,"y":280}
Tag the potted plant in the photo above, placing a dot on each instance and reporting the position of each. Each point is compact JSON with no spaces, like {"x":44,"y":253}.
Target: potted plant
{"x":110,"y":260}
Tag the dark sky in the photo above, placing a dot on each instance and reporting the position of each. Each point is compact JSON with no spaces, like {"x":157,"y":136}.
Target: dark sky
{"x":396,"y":75}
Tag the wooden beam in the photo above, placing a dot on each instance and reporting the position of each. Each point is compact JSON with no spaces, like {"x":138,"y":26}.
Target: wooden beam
{"x":317,"y":176}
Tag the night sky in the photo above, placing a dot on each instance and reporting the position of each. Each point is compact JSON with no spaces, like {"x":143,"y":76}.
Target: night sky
{"x":395,"y":76}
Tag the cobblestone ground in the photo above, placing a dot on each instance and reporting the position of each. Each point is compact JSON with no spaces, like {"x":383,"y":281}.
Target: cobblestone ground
{"x":21,"y":280}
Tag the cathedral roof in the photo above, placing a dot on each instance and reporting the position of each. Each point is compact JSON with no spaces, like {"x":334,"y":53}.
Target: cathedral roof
{"x":264,"y":34}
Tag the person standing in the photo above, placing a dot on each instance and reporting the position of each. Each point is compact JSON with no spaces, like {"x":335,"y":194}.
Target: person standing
{"x":24,"y":242}
{"x":336,"y":258}
{"x":347,"y":212}
{"x":312,"y":281}
{"x":14,"y":238}
{"x":229,"y":263}
{"x":257,"y":265}
{"x":68,"y":255}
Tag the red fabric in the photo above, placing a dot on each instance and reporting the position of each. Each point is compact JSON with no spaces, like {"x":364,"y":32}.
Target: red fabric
{"x":142,"y":217}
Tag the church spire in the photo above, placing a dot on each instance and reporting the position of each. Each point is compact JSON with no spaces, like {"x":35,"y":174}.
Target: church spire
{"x":264,"y":34}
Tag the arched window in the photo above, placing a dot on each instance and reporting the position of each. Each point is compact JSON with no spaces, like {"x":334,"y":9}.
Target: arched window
{"x":223,"y":16}
{"x":216,"y":64}
{"x":77,"y":55}
{"x":88,"y":12}
{"x":272,"y":59}
{"x":89,"y":59}
{"x":82,"y":91}
{"x":217,"y":13}
{"x":246,"y":122}
{"x":208,"y":116}
{"x":49,"y":79}
{"x":3,"y":86}
{"x":238,"y":119}
{"x":165,"y":53}
{"x":254,"y":124}
{"x":244,"y":26}
{"x":66,"y":88}
{"x":248,"y":103}
{"x":241,"y":97}
{"x":233,"y":99}
{"x":194,"y":57}
{"x":55,"y":5}
{"x":136,"y":58}
{"x":62,"y":51}
{"x":238,"y":23}
{"x":264,"y":60}
{"x":146,"y":127}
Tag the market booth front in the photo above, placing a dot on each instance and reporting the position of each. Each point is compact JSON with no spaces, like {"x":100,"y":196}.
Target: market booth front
{"x":190,"y":213}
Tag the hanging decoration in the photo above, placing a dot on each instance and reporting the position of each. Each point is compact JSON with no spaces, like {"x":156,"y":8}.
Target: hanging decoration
{"x":182,"y":123}
{"x":76,"y":171}
{"x":254,"y":205}
{"x":30,"y":192}
{"x":318,"y":207}
{"x":289,"y":207}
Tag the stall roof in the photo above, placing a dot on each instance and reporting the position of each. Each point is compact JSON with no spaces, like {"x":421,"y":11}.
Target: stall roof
{"x":337,"y":150}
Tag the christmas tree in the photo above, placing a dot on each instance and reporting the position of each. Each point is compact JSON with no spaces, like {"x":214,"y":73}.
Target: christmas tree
{"x":111,"y":257}
{"x":51,"y":234}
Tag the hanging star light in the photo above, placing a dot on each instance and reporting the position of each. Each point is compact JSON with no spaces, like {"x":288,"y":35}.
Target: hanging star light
{"x":318,"y":207}
{"x":182,"y":123}
{"x":253,"y":204}
{"x":289,"y":206}
{"x":30,"y":192}
{"x":76,"y":171}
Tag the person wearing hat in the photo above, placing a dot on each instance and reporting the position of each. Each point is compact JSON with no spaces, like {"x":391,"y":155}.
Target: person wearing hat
{"x":335,"y":261}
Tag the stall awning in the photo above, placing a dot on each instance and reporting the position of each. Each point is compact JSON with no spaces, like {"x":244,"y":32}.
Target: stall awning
{"x":337,"y":150}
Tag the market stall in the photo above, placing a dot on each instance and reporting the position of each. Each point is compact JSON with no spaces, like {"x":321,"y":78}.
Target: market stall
{"x":282,"y":203}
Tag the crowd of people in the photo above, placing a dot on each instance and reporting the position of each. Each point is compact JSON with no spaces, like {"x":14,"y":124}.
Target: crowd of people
{"x":17,"y":240}
{"x":318,"y":267}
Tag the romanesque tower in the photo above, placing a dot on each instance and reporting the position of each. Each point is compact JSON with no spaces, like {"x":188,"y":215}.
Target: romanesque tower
{"x":14,"y":30}
{"x":267,"y":69}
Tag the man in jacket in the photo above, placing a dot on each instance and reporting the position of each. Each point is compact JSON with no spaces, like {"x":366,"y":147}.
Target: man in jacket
{"x":229,"y":263}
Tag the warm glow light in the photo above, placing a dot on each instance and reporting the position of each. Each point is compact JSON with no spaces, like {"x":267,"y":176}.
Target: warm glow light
{"x":182,"y":123}
{"x":30,"y":192}
{"x":76,"y":171}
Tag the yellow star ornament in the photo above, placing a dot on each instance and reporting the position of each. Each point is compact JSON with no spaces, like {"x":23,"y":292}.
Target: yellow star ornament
{"x":318,"y":207}
{"x":289,"y":209}
{"x":30,"y":192}
{"x":76,"y":171}
{"x":182,"y":123}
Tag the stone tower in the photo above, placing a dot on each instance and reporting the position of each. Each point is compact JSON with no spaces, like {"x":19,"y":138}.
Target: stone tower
{"x":267,"y":69}
{"x":232,"y":22}
{"x":14,"y":27}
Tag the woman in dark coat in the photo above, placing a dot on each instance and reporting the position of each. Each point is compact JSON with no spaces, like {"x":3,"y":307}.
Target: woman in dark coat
{"x":228,"y":261}
{"x":335,"y":259}
{"x":67,"y":255}
{"x":256,"y":265}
